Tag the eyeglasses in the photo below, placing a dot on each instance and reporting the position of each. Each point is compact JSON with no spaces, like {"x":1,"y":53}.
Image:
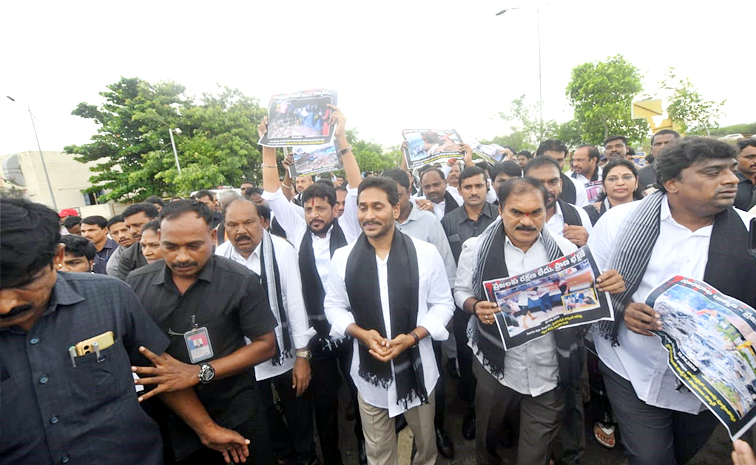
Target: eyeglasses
{"x":626,"y":178}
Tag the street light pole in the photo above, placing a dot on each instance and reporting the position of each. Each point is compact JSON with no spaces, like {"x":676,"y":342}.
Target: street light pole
{"x":41,"y":157}
{"x":175,"y":153}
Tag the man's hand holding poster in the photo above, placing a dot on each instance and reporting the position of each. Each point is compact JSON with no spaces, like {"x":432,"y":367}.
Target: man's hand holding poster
{"x":710,"y":338}
{"x":558,"y":295}
{"x":300,"y":118}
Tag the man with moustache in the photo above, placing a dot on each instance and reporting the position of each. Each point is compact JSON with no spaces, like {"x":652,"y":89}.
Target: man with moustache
{"x":135,"y":216}
{"x":389,"y":292}
{"x":275,"y":261}
{"x":585,"y":167}
{"x":61,"y":407}
{"x":539,"y":373}
{"x":647,"y":174}
{"x":746,"y":173}
{"x":687,"y":228}
{"x":615,"y":147}
{"x":436,"y":197}
{"x":119,"y":232}
{"x":207,"y":305}
{"x":316,"y":237}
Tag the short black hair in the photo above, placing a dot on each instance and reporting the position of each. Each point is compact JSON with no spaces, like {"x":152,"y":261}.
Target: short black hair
{"x":204,"y":193}
{"x":263,"y":211}
{"x":79,"y":246}
{"x":320,"y":190}
{"x":517,"y":186}
{"x":400,"y":176}
{"x":98,"y":220}
{"x":525,"y":154}
{"x":115,"y":220}
{"x":671,"y":161}
{"x":743,"y":143}
{"x":327,"y":182}
{"x":539,"y":162}
{"x":665,"y":131}
{"x":180,"y":207}
{"x":154,"y":199}
{"x":250,"y":191}
{"x":242,"y":199}
{"x":614,"y":164}
{"x":71,"y":221}
{"x":593,"y":151}
{"x":387,"y":185}
{"x":342,"y":188}
{"x":471,"y":171}
{"x":146,"y":208}
{"x":426,"y":170}
{"x":554,"y":145}
{"x":29,"y":239}
{"x":153,"y":225}
{"x":508,"y":167}
{"x":616,"y":137}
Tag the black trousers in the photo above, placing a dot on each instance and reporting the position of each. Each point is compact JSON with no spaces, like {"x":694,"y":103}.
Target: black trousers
{"x":324,"y":387}
{"x":467,"y":380}
{"x":293,"y":439}
{"x":440,"y":415}
{"x":653,"y":435}
{"x":260,"y":452}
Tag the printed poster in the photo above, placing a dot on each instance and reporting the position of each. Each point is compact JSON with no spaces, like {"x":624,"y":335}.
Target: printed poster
{"x":710,"y":338}
{"x":558,"y":295}
{"x":425,"y":146}
{"x":300,"y":118}
{"x":492,"y":153}
{"x":593,"y":191}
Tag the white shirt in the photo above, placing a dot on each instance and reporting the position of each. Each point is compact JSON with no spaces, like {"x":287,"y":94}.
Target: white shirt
{"x":556,"y":222}
{"x":642,"y":359}
{"x":296,"y":227}
{"x":581,"y":199}
{"x":435,"y":309}
{"x":532,"y":368}
{"x":582,"y":179}
{"x":291,"y":297}
{"x":424,"y":226}
{"x":440,"y":208}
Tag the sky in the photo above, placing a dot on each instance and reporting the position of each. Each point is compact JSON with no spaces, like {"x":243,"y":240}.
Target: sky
{"x":396,"y":65}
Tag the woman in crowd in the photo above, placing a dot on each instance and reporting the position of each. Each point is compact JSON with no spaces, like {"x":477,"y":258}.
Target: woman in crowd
{"x":620,"y":180}
{"x":150,"y":242}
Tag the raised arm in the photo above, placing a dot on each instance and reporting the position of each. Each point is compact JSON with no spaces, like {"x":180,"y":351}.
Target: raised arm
{"x":351,"y":168}
{"x":271,"y":183}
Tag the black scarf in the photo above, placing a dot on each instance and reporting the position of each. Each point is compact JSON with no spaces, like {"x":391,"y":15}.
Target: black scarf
{"x":268,"y":248}
{"x":570,"y":213}
{"x":569,"y":194}
{"x":312,"y":287}
{"x":490,"y":264}
{"x":365,"y":300}
{"x":729,"y":268}
{"x":451,"y":204}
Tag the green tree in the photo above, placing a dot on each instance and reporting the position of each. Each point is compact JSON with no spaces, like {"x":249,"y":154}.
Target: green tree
{"x":601,"y":94}
{"x":688,"y":108}
{"x":526,"y":129}
{"x":370,"y":155}
{"x":217,"y":145}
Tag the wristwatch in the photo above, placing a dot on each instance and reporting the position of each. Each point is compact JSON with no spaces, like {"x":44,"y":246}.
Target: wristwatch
{"x":305,"y":354}
{"x":206,"y":373}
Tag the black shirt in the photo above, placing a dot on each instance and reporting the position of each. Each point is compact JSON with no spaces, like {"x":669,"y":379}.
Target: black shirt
{"x":52,"y":412}
{"x":102,"y":257}
{"x":459,"y":227}
{"x":229,"y":301}
{"x":131,"y":259}
{"x":745,"y":192}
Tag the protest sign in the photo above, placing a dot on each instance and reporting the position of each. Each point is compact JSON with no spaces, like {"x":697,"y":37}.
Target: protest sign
{"x":558,"y":295}
{"x":593,"y":191}
{"x":492,"y":153}
{"x":710,"y":338}
{"x":315,"y":159}
{"x":425,"y":146}
{"x":300,"y":118}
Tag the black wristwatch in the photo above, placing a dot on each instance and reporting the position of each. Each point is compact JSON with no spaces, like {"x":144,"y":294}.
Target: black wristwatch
{"x":206,"y":373}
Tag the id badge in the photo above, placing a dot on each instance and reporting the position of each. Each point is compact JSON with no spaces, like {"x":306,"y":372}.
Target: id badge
{"x":198,"y":345}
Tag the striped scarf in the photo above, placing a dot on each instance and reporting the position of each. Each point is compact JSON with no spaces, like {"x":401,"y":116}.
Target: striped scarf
{"x":631,"y":255}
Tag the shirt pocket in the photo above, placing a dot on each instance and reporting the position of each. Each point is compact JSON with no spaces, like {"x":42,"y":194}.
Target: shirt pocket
{"x":454,"y":238}
{"x":101,"y":379}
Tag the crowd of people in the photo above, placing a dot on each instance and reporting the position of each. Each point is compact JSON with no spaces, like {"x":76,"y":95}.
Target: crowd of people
{"x":228,"y":327}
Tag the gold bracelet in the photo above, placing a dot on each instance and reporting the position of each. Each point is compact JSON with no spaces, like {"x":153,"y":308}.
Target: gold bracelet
{"x":269,"y":166}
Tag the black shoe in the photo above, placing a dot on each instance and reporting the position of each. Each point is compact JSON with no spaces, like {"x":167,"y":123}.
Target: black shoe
{"x":468,"y":425}
{"x":444,"y":444}
{"x":400,"y":423}
{"x":361,"y":453}
{"x":451,"y":368}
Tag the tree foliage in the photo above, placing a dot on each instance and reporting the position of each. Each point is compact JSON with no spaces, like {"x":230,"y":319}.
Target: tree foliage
{"x":217,"y":144}
{"x":687,"y":107}
{"x":601,"y":94}
{"x":526,"y":128}
{"x":370,"y":155}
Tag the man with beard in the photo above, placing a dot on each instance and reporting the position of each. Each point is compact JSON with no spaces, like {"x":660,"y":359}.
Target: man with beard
{"x":460,"y":225}
{"x":527,"y":375}
{"x":572,"y":190}
{"x":275,"y":261}
{"x":119,"y":232}
{"x":436,"y":197}
{"x":585,"y":167}
{"x":60,"y":404}
{"x":647,"y":174}
{"x":207,"y":305}
{"x":389,"y":292}
{"x":687,"y":228}
{"x":316,"y":237}
{"x":562,"y":218}
{"x":135,"y":216}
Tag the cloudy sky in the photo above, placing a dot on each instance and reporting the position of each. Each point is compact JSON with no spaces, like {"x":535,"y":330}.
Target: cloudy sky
{"x":395,"y":64}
